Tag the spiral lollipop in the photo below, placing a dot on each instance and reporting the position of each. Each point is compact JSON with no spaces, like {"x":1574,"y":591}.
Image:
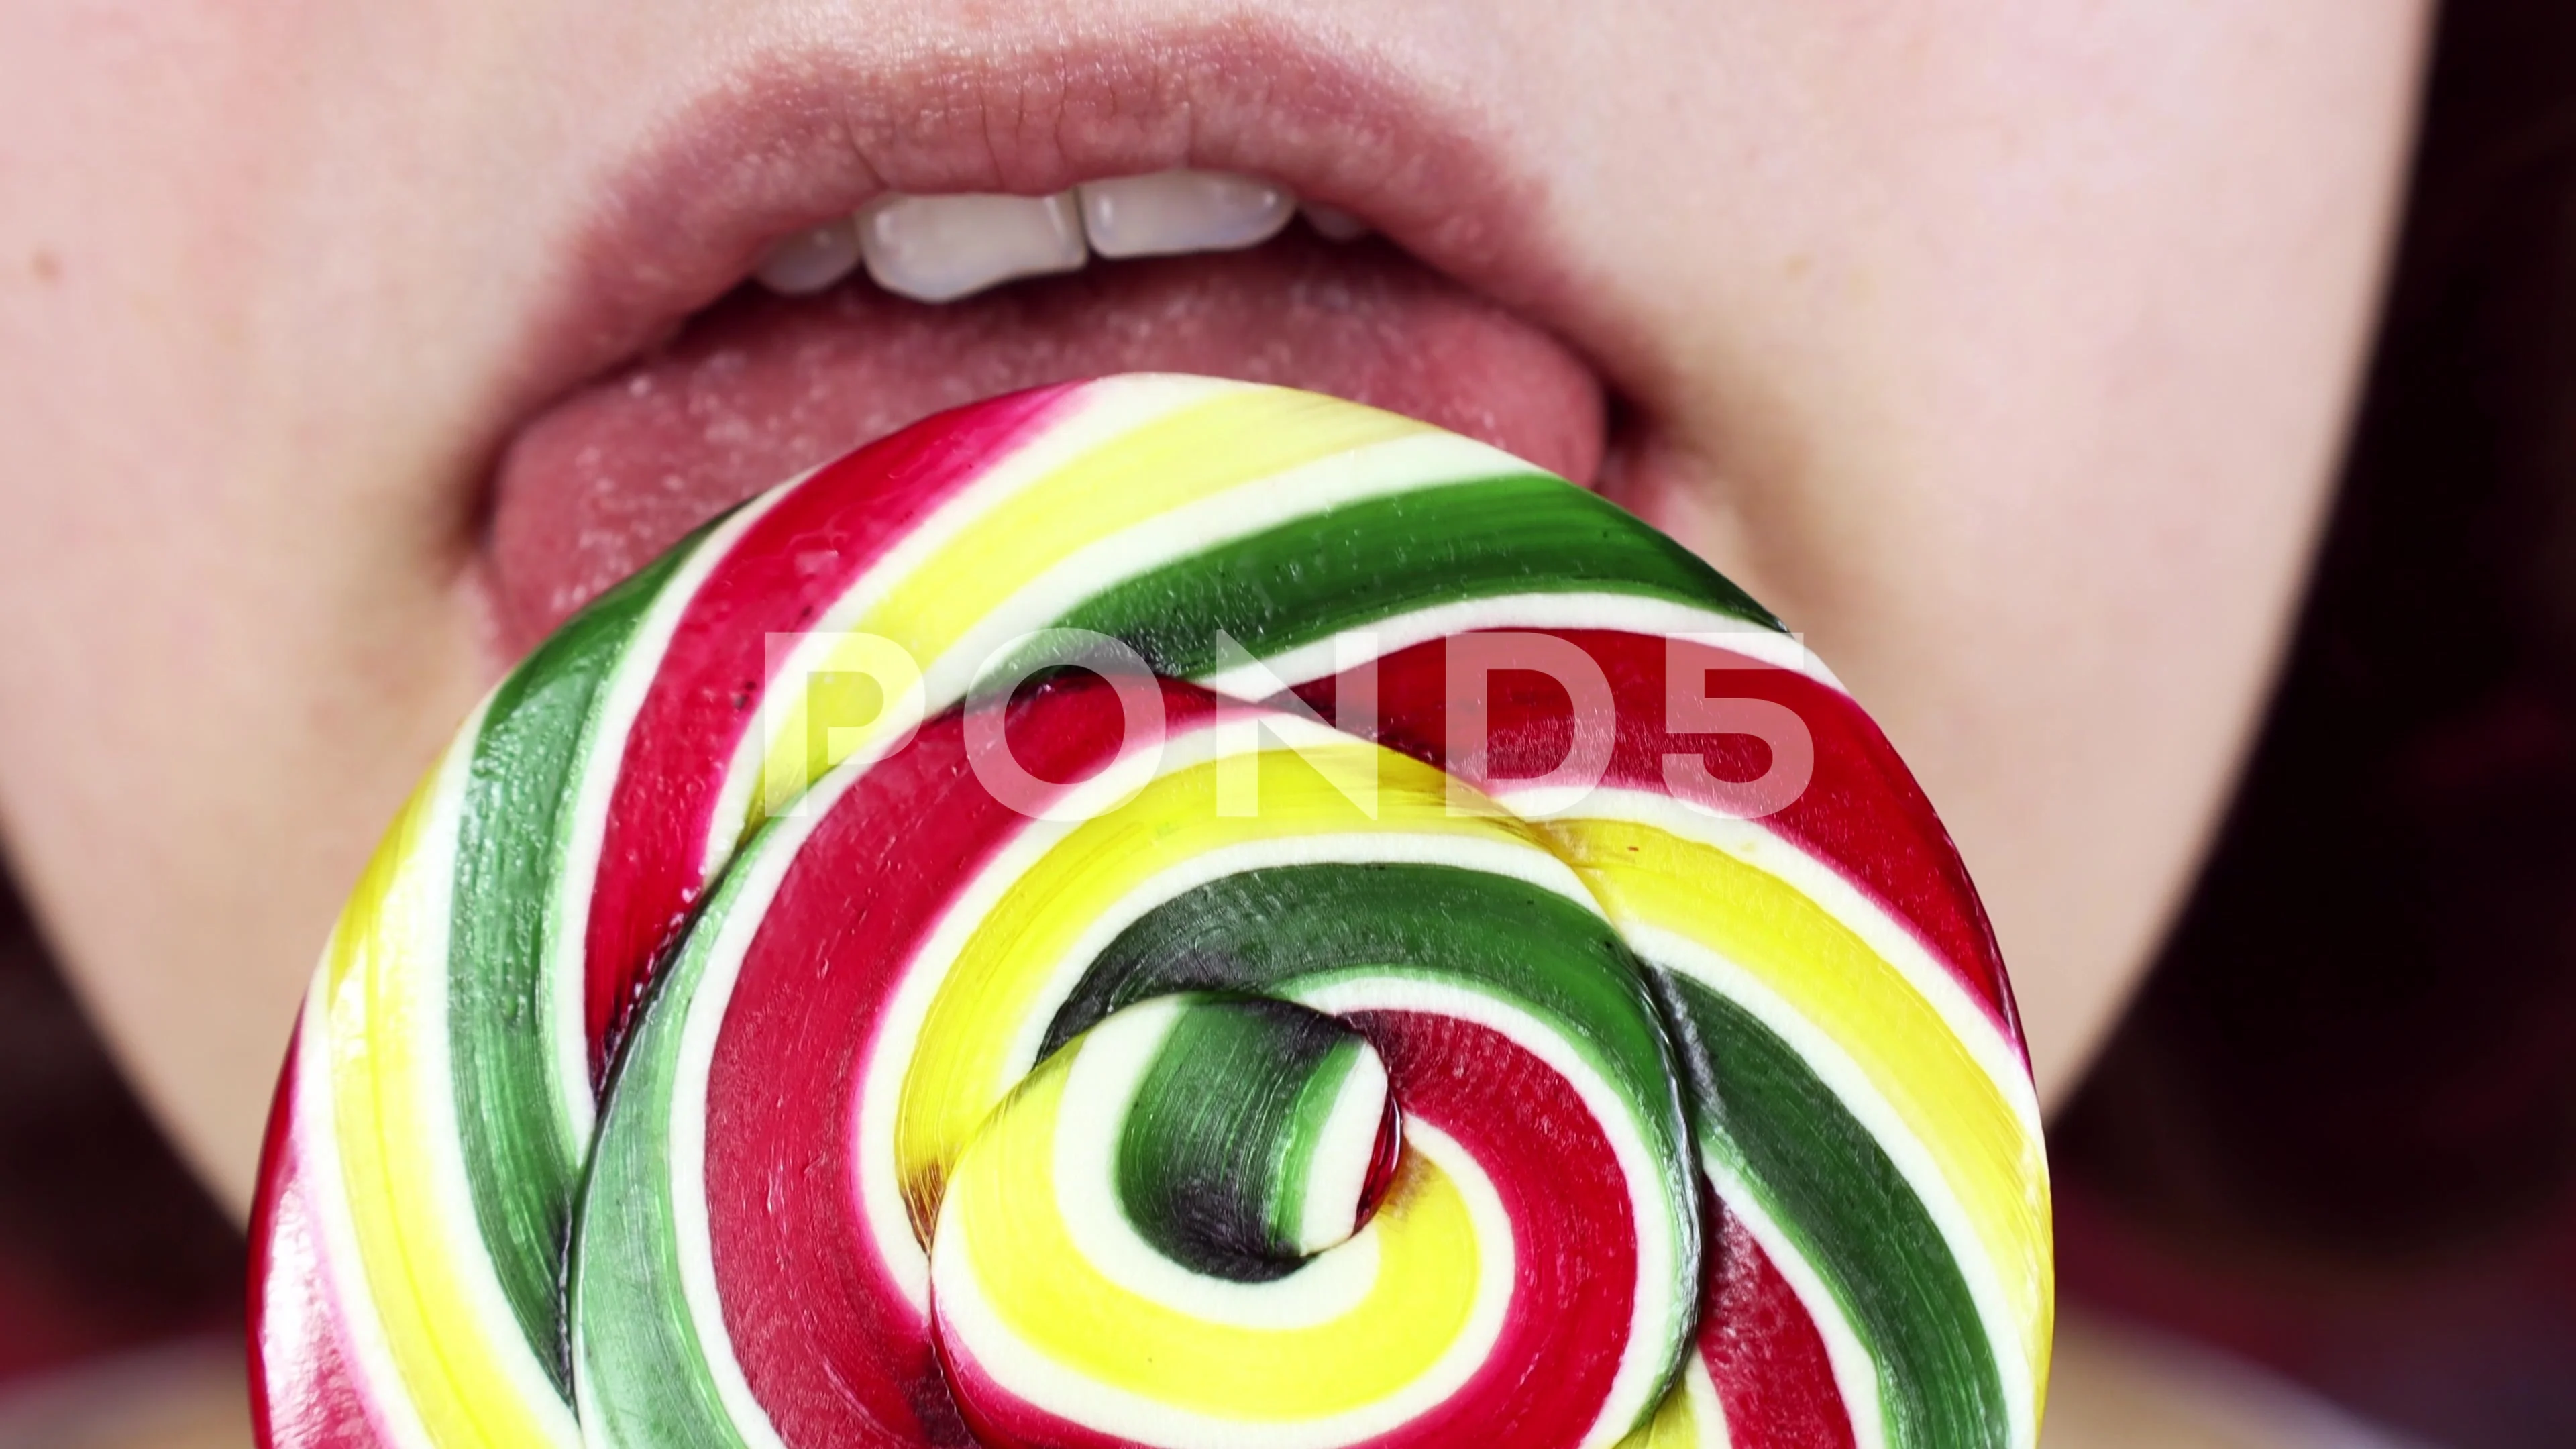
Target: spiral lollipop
{"x":1172,"y":913}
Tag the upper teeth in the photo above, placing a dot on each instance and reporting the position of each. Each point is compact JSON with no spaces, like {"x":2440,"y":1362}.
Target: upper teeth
{"x":1181,"y":211}
{"x":935,"y":248}
{"x":939,"y":248}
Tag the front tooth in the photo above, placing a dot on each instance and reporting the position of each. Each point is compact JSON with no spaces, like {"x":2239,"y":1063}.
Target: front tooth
{"x":811,"y":260}
{"x":940,"y":248}
{"x":1182,"y":211}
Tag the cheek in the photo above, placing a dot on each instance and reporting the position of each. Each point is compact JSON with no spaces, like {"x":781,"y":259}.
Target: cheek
{"x":2016,"y":382}
{"x":231,"y":591}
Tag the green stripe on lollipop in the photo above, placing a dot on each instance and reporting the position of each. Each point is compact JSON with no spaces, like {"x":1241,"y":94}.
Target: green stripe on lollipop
{"x":1830,"y":1186}
{"x":1352,"y":565}
{"x":522,"y":1158}
{"x":1217,"y":1154}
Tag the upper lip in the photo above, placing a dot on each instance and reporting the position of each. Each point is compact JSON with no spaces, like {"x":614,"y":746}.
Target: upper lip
{"x":788,"y":137}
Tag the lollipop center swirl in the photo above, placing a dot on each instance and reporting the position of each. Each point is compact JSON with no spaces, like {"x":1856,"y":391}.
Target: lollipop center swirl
{"x":1231,"y":1136}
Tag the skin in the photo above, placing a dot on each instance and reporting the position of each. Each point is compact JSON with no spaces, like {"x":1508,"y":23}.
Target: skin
{"x":2003,"y":349}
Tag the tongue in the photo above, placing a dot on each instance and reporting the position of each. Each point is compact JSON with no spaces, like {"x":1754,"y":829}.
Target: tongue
{"x":759,"y":388}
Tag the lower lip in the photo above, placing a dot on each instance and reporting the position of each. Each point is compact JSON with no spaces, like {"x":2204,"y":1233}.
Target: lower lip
{"x":759,"y":388}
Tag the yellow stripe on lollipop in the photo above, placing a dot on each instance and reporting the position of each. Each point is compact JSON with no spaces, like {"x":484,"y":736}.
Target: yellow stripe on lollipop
{"x":1004,"y":1216}
{"x":1826,"y":973}
{"x":1234,"y":437}
{"x":965,"y":1057}
{"x":469,"y":1378}
{"x":1690,"y":1417}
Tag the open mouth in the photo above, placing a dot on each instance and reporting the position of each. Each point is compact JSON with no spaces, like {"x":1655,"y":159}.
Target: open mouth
{"x":833,"y":252}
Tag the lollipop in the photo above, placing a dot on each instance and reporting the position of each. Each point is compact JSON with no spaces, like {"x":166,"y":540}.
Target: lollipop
{"x":1160,"y":912}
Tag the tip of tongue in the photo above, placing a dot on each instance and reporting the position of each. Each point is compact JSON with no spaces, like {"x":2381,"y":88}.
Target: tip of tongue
{"x":760,"y":388}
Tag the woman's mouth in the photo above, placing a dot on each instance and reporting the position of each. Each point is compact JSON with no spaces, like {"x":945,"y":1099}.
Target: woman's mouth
{"x":833,"y":250}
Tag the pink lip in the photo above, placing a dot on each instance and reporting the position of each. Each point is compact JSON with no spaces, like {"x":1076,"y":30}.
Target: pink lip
{"x":788,"y":138}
